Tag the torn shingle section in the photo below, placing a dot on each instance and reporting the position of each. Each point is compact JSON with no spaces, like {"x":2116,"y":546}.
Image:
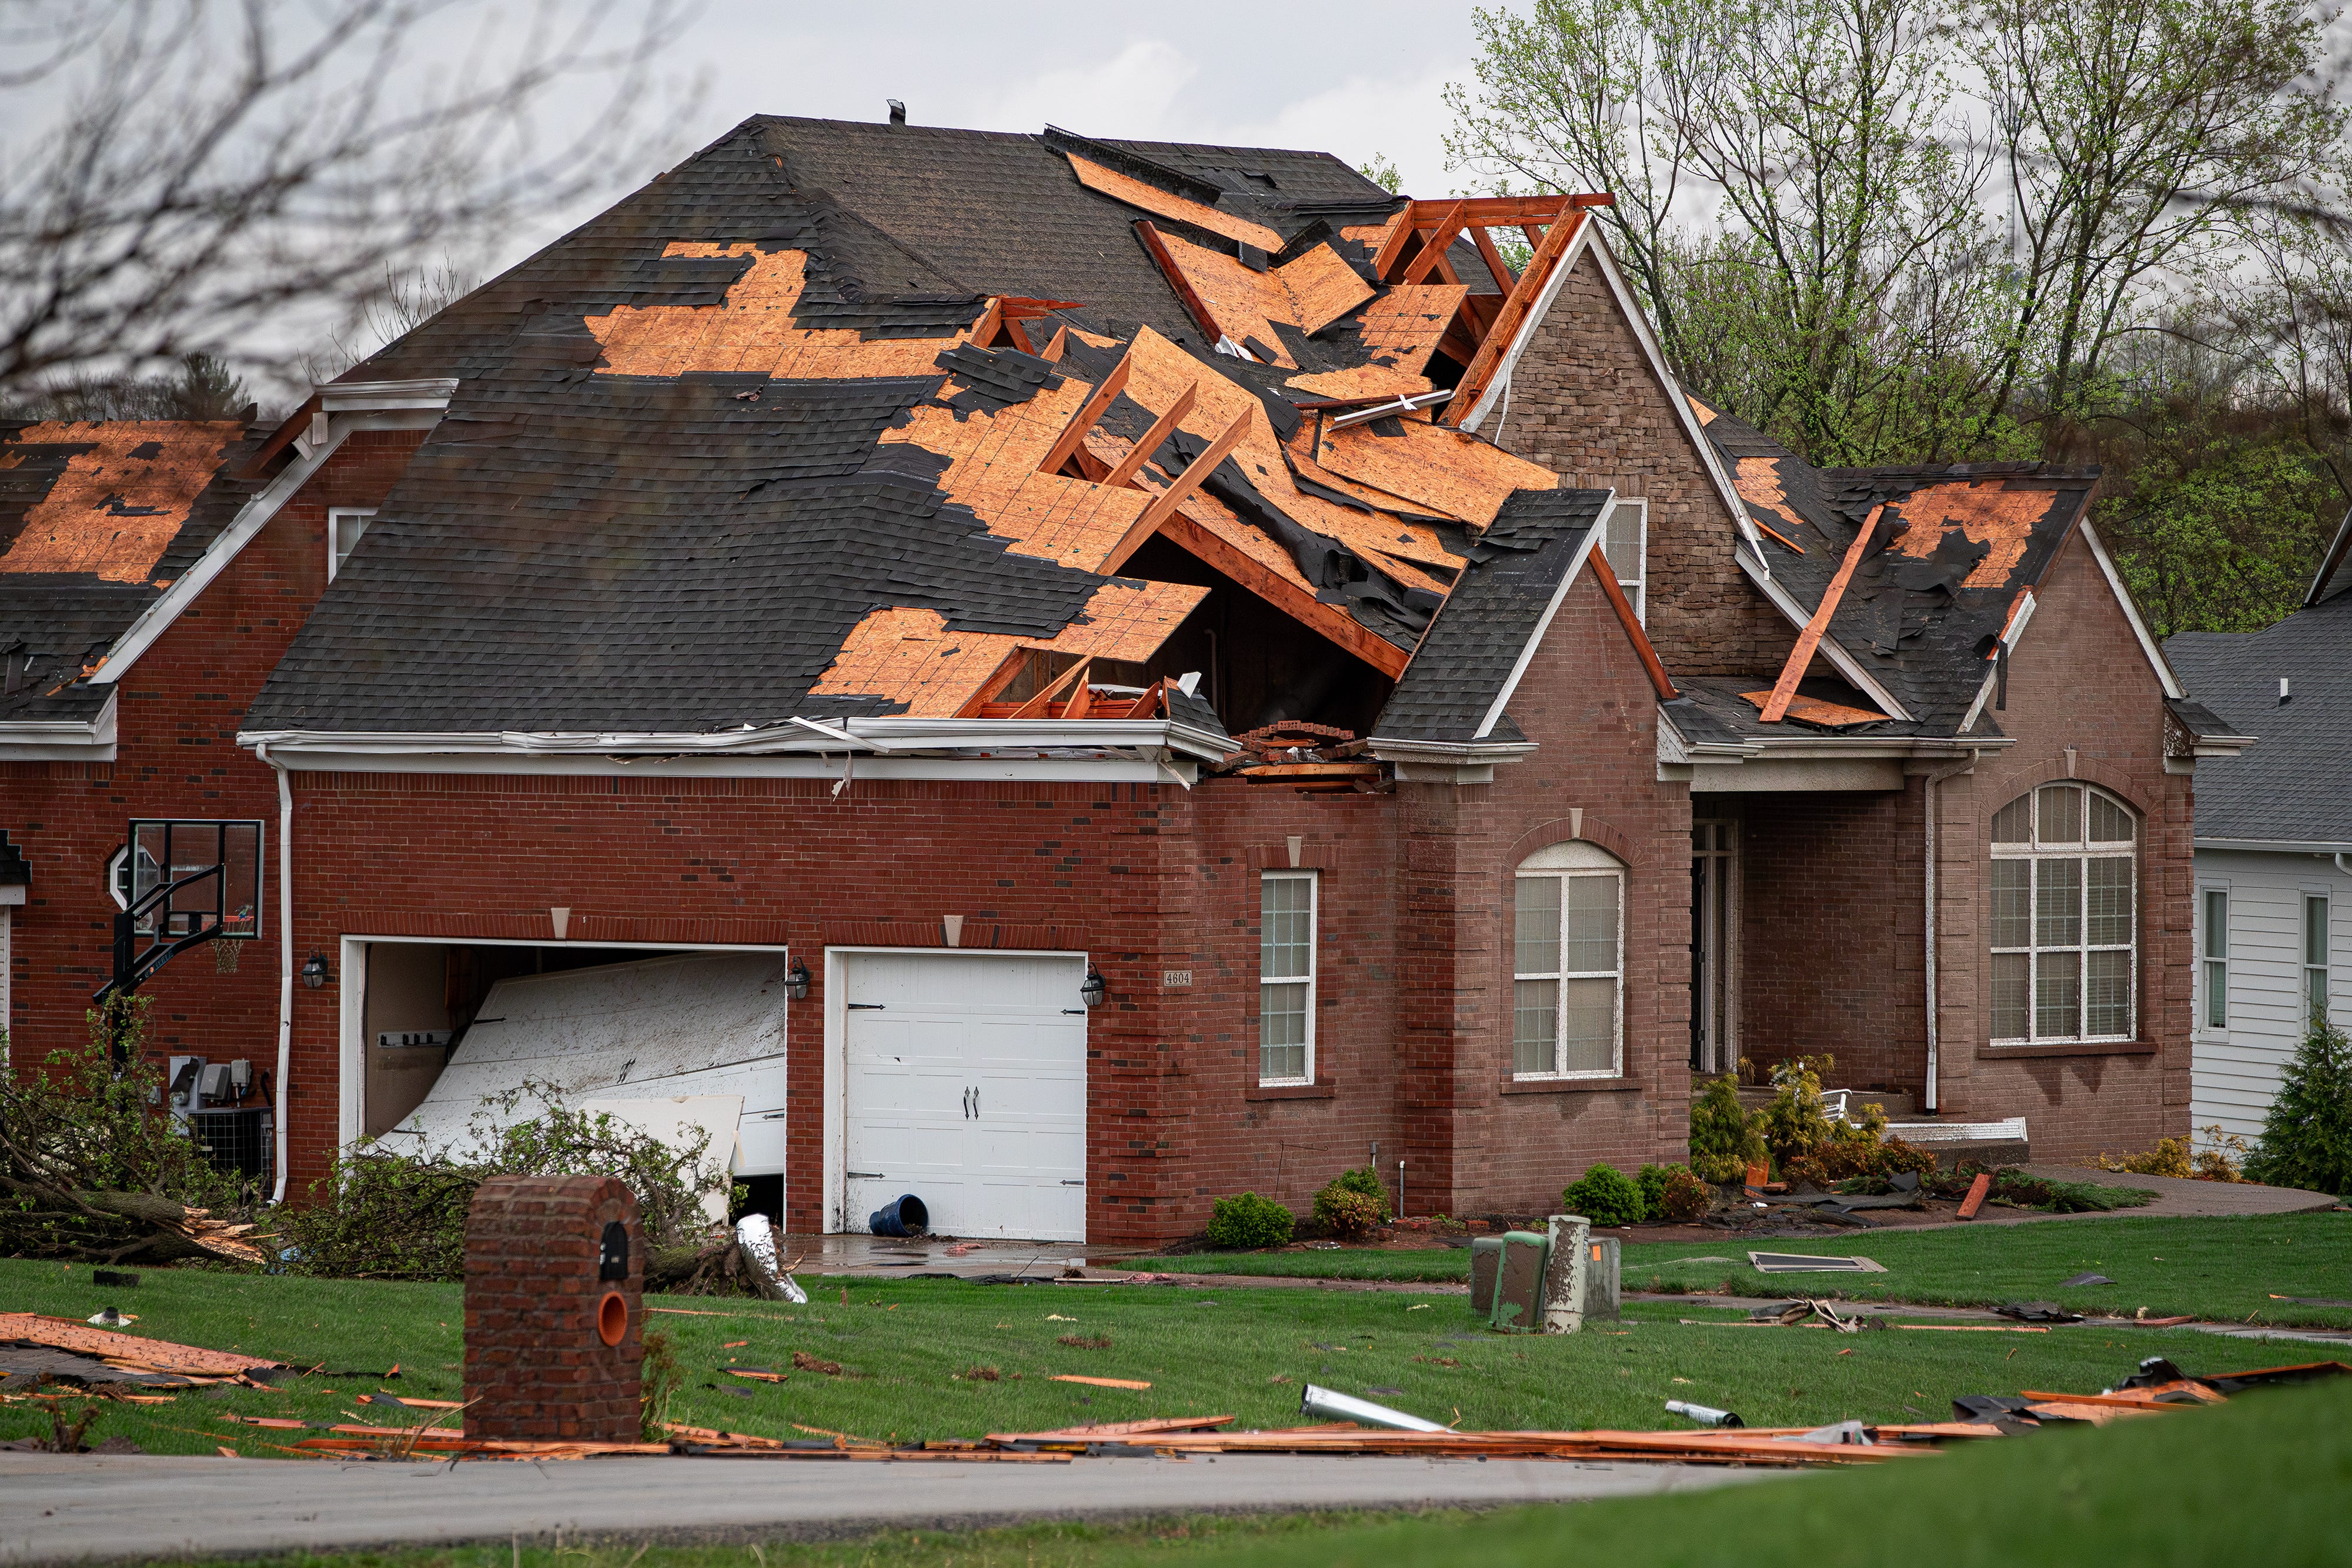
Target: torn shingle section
{"x":1517,"y":572}
{"x":96,"y":520}
{"x":1952,"y":551}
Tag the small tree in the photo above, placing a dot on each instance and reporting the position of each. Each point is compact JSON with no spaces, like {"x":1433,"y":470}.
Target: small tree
{"x":2308,"y":1136}
{"x":1724,"y":1139}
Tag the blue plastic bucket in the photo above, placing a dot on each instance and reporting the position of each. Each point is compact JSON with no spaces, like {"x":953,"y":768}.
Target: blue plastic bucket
{"x":903,"y":1216}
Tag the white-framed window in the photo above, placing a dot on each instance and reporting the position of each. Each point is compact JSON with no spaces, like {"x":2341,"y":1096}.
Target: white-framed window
{"x":1285,"y":977}
{"x":2066,"y":916}
{"x":2315,"y":957}
{"x":2214,"y":958}
{"x":1625,"y":540}
{"x":1568,"y":963}
{"x":344,"y":527}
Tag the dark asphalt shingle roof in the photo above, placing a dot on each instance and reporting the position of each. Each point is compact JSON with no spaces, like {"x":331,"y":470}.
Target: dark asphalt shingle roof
{"x":1470,"y":649}
{"x":2294,"y":784}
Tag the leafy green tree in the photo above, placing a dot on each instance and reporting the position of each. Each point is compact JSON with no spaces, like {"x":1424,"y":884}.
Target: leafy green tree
{"x":2307,"y":1136}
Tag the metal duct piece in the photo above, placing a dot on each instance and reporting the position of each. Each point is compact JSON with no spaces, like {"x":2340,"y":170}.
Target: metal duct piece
{"x":1329,"y":1406}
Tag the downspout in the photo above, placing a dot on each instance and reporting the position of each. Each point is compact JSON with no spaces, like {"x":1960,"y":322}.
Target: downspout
{"x":285,"y":955}
{"x":2347,"y":870}
{"x":1931,"y":1103}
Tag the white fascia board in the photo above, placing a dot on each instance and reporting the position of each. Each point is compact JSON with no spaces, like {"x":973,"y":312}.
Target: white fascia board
{"x":1092,"y":770}
{"x":2009,"y":636}
{"x":2277,"y":846}
{"x":1492,"y":396}
{"x":998,"y":734}
{"x":2171,"y":683}
{"x":1535,"y":639}
{"x":60,"y":740}
{"x":1676,"y":748}
{"x":250,"y":520}
{"x":1842,"y":662}
{"x":371,"y":397}
{"x":1389,"y":748}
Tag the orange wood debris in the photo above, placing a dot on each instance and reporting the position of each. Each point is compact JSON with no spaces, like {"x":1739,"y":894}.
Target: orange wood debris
{"x":1402,"y":326}
{"x":911,"y":656}
{"x":120,"y":503}
{"x":1443,"y":470}
{"x":1151,"y":199}
{"x":1548,"y":256}
{"x":1813,"y":710}
{"x":1988,"y":514}
{"x":1784,"y":690}
{"x":154,"y":1354}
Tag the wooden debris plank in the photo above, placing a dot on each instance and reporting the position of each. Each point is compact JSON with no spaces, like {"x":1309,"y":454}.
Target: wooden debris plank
{"x":1433,"y":249}
{"x":1784,"y":690}
{"x":1196,"y":474}
{"x":1124,"y":470}
{"x":1651,"y":665}
{"x":1983,"y":1184}
{"x":1547,"y":254}
{"x":1099,"y":1381}
{"x":1195,"y":306}
{"x":1134,"y":193}
{"x":1279,"y":771}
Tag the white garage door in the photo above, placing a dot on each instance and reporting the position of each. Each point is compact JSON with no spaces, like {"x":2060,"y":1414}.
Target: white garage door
{"x":964,"y":1079}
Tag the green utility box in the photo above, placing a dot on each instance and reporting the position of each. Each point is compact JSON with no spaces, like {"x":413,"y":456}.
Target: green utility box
{"x":1485,"y":1267}
{"x":1519,"y":1282}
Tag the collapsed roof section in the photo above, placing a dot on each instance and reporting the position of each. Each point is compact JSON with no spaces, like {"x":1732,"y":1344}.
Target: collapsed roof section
{"x":858,"y":428}
{"x":97,"y":519}
{"x":1927,"y":574}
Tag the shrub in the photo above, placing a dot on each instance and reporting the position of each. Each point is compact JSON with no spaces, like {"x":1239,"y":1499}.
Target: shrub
{"x":1246,"y":1220}
{"x":2177,"y":1157}
{"x":1686,"y":1199}
{"x":1653,"y":1180}
{"x":383,"y":1215}
{"x":1724,"y":1139}
{"x":1605,"y":1195}
{"x":1794,"y":1125}
{"x":2308,"y":1136}
{"x":1346,"y":1213}
{"x":1363,"y":1179}
{"x":1844,"y":1159}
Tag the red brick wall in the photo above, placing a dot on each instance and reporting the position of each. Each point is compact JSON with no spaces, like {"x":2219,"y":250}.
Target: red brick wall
{"x":177,"y":755}
{"x":1586,"y":404}
{"x":1834,"y":901}
{"x":537,"y":1367}
{"x":2079,"y":679}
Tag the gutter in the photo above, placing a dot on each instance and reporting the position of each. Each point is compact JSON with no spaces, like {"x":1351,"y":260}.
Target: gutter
{"x":285,"y":958}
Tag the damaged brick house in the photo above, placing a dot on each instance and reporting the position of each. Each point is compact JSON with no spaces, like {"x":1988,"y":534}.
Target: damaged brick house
{"x":1072,"y":679}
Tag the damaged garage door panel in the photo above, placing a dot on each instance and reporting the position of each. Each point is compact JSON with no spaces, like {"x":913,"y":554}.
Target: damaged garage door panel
{"x":658,"y":1028}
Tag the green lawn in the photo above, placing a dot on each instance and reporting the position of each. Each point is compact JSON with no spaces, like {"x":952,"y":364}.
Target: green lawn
{"x":2222,"y":1269}
{"x":2218,"y":1269}
{"x":1235,"y":1350}
{"x":2261,"y":1479}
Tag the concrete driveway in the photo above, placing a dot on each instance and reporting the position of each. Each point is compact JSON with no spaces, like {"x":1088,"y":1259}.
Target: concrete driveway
{"x":67,"y":1508}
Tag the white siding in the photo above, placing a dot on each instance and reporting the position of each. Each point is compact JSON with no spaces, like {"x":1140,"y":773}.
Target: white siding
{"x":2236,"y":1071}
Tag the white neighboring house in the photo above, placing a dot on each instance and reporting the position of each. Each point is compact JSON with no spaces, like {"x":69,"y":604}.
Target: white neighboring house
{"x":2273,"y":936}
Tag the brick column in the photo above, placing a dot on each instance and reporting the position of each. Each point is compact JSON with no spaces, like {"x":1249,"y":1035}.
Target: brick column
{"x":537,"y":1367}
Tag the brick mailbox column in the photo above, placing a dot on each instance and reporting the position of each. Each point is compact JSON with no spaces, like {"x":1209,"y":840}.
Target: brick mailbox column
{"x":554,"y":1282}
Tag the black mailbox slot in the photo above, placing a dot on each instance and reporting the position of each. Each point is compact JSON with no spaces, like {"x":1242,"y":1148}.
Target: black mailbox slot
{"x":614,"y":1263}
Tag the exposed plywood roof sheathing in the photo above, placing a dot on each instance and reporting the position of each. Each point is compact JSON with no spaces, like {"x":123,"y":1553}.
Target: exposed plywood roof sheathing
{"x":1124,"y":188}
{"x":1164,"y":505}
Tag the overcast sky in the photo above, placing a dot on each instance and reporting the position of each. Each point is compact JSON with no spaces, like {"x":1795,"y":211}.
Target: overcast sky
{"x":1355,"y":79}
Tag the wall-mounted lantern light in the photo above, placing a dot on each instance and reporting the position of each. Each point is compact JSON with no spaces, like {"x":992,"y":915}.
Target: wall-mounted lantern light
{"x":1094,"y":992}
{"x":315,"y":972}
{"x":796,"y":983}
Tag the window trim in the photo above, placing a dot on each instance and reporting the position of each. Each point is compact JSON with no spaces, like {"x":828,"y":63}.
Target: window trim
{"x":1560,"y":974}
{"x":2209,"y":961}
{"x":1314,"y":881}
{"x":1636,"y":582}
{"x":2304,"y":969}
{"x":2081,"y":853}
{"x":335,"y":514}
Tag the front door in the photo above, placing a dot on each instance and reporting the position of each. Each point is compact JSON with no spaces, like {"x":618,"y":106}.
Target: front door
{"x":1714,"y":924}
{"x":965,"y":1084}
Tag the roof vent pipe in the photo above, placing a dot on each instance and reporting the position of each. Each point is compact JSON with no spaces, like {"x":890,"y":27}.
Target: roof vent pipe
{"x":897,"y":112}
{"x":2287,"y":692}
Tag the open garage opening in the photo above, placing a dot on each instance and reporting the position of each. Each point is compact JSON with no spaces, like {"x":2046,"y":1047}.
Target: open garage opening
{"x":681,"y":1042}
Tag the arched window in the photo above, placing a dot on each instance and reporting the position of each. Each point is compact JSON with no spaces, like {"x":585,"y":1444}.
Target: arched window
{"x":1568,"y":965}
{"x":2066,"y":916}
